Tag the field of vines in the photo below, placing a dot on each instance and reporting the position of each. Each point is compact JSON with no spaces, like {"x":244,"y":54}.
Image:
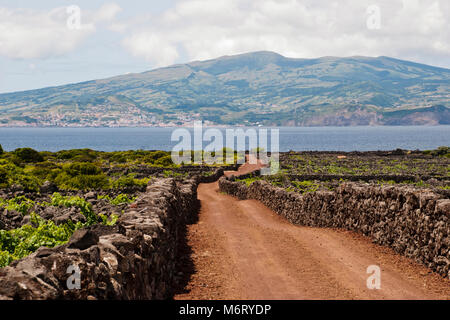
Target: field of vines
{"x":305,"y":172}
{"x":46,"y":196}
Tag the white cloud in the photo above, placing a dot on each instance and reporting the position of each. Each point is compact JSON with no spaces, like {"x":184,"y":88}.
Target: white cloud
{"x":201,"y":29}
{"x":107,"y":12}
{"x":26,"y":34}
{"x":29,"y":34}
{"x":152,"y":48}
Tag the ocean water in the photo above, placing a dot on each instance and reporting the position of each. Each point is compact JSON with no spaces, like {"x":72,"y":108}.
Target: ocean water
{"x":290,"y":138}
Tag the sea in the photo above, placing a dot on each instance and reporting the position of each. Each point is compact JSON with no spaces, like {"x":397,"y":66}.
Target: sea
{"x":361,"y":138}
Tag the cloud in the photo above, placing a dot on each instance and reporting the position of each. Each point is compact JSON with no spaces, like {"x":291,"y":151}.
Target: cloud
{"x":152,"y":47}
{"x":202,"y":29}
{"x":30,"y":34}
{"x":107,"y":12}
{"x":26,"y":34}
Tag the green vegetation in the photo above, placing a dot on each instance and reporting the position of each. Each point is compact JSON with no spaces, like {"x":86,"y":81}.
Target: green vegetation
{"x":172,"y":174}
{"x":249,"y":181}
{"x":81,"y":176}
{"x":20,"y":204}
{"x":18,"y":243}
{"x":28,"y":155}
{"x":306,"y":186}
{"x":440,"y":152}
{"x":283,"y":181}
{"x":85,"y":169}
{"x":85,"y":207}
{"x":120,"y":199}
{"x":306,"y":172}
{"x":119,"y":173}
{"x":128,"y":181}
{"x":429,"y":163}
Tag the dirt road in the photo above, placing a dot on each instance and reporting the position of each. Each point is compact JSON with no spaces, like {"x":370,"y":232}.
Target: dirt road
{"x":243,"y":250}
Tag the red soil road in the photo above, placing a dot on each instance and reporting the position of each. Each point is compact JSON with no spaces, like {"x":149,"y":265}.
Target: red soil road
{"x":244,"y":250}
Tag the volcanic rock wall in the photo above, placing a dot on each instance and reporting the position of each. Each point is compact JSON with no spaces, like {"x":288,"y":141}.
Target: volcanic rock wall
{"x":415,"y":223}
{"x":136,"y":259}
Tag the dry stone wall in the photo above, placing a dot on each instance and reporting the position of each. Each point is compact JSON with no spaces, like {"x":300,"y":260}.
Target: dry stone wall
{"x":415,"y":223}
{"x":136,"y":259}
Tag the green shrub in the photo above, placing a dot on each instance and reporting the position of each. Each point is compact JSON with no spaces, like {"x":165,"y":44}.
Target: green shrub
{"x":155,"y":155}
{"x":173,"y":174}
{"x":29,"y":183}
{"x":20,"y":204}
{"x":78,"y":168}
{"x":83,"y":158}
{"x":306,"y":186}
{"x":1,"y":150}
{"x":81,"y":155}
{"x":42,"y":170}
{"x":249,"y":181}
{"x":28,"y":155}
{"x":120,"y":199}
{"x":165,"y":161}
{"x":86,"y":182}
{"x":82,"y":182}
{"x":8,"y":173}
{"x":128,"y":181}
{"x":441,"y":151}
{"x":111,"y":221}
{"x":119,"y":158}
{"x":3,"y":176}
{"x":123,"y":182}
{"x":13,"y":159}
{"x":18,"y":243}
{"x":80,"y":176}
{"x":85,"y":207}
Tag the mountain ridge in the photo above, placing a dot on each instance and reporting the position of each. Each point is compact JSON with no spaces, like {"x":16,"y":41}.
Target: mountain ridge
{"x":251,"y":88}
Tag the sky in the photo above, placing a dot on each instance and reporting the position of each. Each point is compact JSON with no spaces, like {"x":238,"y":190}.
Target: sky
{"x":47,"y":42}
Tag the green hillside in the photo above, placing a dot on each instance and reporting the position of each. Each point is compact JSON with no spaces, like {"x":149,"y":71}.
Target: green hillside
{"x":254,"y":88}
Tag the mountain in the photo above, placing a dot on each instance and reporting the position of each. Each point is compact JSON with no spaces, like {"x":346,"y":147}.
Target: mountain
{"x":253,"y":88}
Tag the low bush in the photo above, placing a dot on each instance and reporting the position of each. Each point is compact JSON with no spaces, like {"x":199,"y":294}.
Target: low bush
{"x":80,"y":155}
{"x":155,"y":155}
{"x":78,"y":168}
{"x":3,"y":177}
{"x":128,"y":181}
{"x":29,"y":183}
{"x":28,"y":155}
{"x":85,"y":207}
{"x":42,"y":170}
{"x":80,"y":176}
{"x":82,"y":182}
{"x":165,"y":161}
{"x":120,"y":199}
{"x":20,"y":204}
